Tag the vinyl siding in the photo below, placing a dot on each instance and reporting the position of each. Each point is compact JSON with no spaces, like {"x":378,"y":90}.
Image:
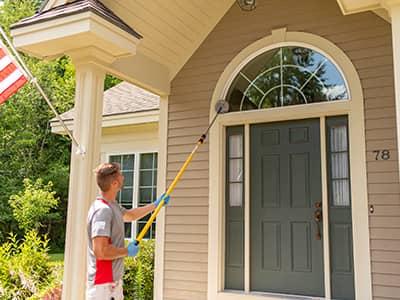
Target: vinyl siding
{"x":129,"y":139}
{"x":366,"y":39}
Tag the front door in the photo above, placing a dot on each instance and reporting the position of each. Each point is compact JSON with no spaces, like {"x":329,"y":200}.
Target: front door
{"x":285,"y":187}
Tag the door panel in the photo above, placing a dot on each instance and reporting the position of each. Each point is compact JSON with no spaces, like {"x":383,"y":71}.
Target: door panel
{"x":285,"y":183}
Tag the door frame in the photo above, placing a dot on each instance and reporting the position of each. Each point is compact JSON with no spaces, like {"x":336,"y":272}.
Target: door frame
{"x":354,"y":108}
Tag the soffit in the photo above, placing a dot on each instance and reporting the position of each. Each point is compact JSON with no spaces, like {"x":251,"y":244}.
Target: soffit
{"x":172,"y":30}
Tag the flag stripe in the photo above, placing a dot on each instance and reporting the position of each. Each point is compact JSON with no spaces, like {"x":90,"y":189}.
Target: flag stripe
{"x":7,"y":72}
{"x":12,"y":77}
{"x":12,"y":89}
{"x":4,"y":62}
{"x":2,"y":53}
{"x":9,"y":81}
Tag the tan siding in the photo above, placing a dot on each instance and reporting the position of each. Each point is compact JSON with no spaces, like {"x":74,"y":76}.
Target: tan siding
{"x":366,"y":39}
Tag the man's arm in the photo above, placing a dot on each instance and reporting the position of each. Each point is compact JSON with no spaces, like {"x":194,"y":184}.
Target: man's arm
{"x":105,"y":251}
{"x":138,"y":213}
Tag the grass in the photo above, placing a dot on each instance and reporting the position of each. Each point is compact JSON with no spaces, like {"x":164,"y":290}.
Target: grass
{"x":56,"y":257}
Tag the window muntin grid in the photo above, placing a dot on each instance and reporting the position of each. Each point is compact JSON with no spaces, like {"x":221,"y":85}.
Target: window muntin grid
{"x":140,"y":184}
{"x":286,"y":76}
{"x":339,"y":165}
{"x":125,"y":196}
{"x":127,"y":163}
{"x":147,"y":188}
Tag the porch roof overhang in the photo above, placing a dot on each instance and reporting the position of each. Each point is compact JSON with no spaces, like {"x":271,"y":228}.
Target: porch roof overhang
{"x":171,"y":34}
{"x":69,"y":28}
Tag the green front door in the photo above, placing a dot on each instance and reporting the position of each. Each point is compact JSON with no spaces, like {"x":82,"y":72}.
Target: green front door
{"x":286,"y":241}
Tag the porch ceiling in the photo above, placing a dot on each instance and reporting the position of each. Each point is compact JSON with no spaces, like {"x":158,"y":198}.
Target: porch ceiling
{"x":171,"y":30}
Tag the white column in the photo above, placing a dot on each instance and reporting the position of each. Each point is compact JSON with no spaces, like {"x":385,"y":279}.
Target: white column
{"x":393,"y":7}
{"x":161,"y":187}
{"x":82,"y":186}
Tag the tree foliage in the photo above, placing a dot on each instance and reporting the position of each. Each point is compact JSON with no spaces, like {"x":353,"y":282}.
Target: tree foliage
{"x":33,"y":206}
{"x":27,"y":147}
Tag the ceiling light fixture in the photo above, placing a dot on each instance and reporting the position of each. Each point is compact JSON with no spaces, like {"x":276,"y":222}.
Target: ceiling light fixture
{"x":246,"y":5}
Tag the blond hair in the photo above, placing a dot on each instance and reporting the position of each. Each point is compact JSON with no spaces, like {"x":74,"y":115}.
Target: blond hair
{"x":106,"y":173}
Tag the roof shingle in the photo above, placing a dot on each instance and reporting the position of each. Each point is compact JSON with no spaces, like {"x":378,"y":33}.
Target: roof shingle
{"x":76,"y":7}
{"x":123,"y":98}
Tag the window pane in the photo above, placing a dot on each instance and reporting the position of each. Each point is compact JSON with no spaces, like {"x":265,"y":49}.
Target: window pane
{"x":235,"y":194}
{"x":236,"y":170}
{"x":128,"y":181}
{"x":128,"y":162}
{"x":235,"y":146}
{"x":146,"y":161}
{"x":140,"y":226}
{"x":127,"y":195}
{"x":154,"y":195}
{"x":146,"y":178}
{"x":145,"y":195}
{"x":286,"y":76}
{"x":338,"y":138}
{"x":155,"y":160}
{"x":155,"y":178}
{"x":128,"y":230}
{"x":116,"y":159}
{"x":339,"y":167}
{"x":153,"y":230}
{"x":341,"y":192}
{"x":339,"y":162}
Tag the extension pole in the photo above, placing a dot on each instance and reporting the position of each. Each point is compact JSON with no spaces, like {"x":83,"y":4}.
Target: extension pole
{"x":175,"y":182}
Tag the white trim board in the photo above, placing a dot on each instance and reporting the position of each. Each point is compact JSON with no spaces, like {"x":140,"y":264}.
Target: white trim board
{"x":135,"y":118}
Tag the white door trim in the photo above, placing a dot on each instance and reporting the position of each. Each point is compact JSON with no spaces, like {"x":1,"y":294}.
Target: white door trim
{"x":355,"y":111}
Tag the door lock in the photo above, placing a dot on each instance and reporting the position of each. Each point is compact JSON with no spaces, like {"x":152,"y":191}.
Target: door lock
{"x":318,"y":218}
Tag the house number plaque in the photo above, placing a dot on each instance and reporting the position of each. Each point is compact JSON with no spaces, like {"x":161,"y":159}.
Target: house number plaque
{"x":382,"y":154}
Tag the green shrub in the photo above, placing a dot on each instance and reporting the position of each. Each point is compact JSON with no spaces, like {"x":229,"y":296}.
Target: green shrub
{"x":53,"y":290}
{"x":33,"y":205}
{"x":139,"y":273}
{"x":25,"y":267}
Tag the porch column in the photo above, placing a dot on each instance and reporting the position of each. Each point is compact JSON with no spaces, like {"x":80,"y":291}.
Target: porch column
{"x":393,"y":7}
{"x":82,"y":187}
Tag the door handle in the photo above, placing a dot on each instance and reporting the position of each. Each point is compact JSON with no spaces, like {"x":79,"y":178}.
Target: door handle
{"x":318,"y":218}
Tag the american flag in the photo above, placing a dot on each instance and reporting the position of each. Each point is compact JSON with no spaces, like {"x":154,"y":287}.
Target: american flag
{"x":12,"y":78}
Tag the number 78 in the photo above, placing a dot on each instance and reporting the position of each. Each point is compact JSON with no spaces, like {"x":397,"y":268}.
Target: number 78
{"x":382,"y":154}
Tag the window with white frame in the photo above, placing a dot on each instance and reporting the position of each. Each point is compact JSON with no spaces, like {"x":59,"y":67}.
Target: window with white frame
{"x":140,"y":187}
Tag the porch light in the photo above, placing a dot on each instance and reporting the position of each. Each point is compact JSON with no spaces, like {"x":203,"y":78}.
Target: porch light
{"x":247,"y":5}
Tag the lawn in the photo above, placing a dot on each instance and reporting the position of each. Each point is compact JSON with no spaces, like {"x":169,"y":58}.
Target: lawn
{"x":57,"y":257}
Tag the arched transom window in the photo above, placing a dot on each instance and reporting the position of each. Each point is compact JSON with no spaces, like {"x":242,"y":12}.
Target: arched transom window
{"x":286,"y":76}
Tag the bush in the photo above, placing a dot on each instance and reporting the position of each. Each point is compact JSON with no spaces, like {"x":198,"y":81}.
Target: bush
{"x":53,"y":290}
{"x":139,"y":273}
{"x":33,"y":205}
{"x":25,"y":267}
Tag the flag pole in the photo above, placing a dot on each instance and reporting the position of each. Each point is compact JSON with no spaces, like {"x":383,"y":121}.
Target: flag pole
{"x":33,"y":80}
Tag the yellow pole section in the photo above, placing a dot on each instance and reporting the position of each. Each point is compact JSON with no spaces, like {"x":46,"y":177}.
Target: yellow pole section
{"x":167,"y":193}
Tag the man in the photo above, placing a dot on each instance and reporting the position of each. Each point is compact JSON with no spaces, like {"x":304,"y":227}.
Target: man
{"x":105,"y":228}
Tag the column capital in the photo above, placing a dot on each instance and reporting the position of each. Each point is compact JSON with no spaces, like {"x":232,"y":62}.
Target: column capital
{"x":91,"y":55}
